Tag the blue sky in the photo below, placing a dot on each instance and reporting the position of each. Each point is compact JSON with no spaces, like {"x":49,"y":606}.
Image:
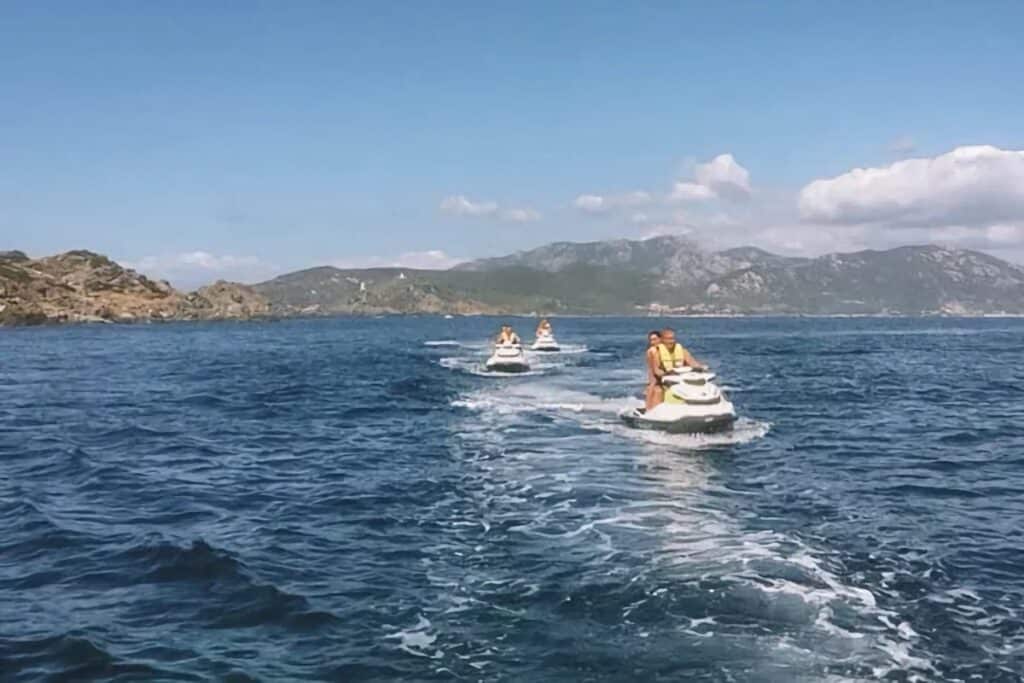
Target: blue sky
{"x":203,"y":139}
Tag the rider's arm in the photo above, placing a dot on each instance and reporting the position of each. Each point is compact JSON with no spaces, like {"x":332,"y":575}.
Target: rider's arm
{"x":654,"y":364}
{"x":690,"y":361}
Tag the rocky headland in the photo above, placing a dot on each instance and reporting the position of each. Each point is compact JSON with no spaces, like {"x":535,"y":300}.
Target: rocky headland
{"x":82,"y":286}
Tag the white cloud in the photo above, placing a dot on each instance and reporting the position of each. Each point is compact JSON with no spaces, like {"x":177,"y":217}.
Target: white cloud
{"x":1005,"y":234}
{"x":635,"y":198}
{"x":676,"y":223}
{"x":432,"y":259}
{"x":195,"y":268}
{"x":460,"y":205}
{"x":591,"y":203}
{"x":720,"y":178}
{"x":725,"y":177}
{"x":685,"y":191}
{"x":974,"y":187}
{"x":594,"y":203}
{"x":520,"y":215}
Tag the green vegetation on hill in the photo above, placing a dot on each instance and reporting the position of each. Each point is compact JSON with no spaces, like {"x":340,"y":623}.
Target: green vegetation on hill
{"x":578,"y":289}
{"x":668,"y":273}
{"x":665,"y":274}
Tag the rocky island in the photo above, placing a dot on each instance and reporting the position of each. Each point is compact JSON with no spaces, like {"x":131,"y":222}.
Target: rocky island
{"x":82,"y":286}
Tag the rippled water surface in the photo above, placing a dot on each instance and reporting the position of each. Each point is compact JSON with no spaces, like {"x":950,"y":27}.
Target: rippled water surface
{"x":354,"y":500}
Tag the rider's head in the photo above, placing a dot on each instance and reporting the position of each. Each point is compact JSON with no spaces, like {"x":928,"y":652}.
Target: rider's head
{"x":668,"y":337}
{"x":653,"y":338}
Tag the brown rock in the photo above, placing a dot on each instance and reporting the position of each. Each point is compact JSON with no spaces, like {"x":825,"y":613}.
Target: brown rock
{"x":229,"y":300}
{"x":82,"y":286}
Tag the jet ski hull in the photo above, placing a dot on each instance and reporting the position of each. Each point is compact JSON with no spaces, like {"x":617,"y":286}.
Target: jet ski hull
{"x":507,"y":359}
{"x":507,"y":368}
{"x":691,"y":424}
{"x":545,"y":344}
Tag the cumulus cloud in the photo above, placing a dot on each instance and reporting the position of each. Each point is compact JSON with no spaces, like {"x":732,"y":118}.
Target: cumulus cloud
{"x":460,"y":205}
{"x":196,"y":268}
{"x":721,"y":178}
{"x":676,"y":223}
{"x":685,"y":191}
{"x":432,"y":259}
{"x":591,"y":203}
{"x":595,"y":203}
{"x":520,"y":215}
{"x":725,"y":177}
{"x":973,"y":187}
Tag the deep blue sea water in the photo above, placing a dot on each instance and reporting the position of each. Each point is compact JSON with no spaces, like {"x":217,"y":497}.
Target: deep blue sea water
{"x":351,"y":500}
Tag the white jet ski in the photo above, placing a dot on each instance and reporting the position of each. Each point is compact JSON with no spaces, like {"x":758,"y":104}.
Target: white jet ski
{"x":693,"y":404}
{"x":545,"y":342}
{"x":507,"y":358}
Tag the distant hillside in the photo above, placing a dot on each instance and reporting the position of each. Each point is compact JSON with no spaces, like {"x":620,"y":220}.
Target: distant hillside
{"x":329,"y":290}
{"x":906,"y":280}
{"x":676,"y":261}
{"x":669,"y":274}
{"x":82,"y":286}
{"x":661,"y":275}
{"x":577,"y":289}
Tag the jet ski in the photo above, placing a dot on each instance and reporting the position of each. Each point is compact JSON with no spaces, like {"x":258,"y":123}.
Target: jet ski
{"x":693,"y":404}
{"x":545,"y":342}
{"x":507,"y":358}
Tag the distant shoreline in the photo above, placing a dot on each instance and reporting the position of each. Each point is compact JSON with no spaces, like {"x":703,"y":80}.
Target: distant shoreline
{"x":560,"y":280}
{"x":50,"y":324}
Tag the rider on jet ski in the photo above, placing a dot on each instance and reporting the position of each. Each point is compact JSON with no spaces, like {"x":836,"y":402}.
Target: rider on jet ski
{"x":672,"y":355}
{"x":678,"y":402}
{"x":654,"y":393}
{"x":507,"y":336}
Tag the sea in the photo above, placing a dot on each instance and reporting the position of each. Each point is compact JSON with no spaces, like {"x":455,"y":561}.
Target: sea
{"x":356,"y":500}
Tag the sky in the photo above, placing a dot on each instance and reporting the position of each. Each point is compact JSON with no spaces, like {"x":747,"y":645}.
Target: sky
{"x":199,"y":140}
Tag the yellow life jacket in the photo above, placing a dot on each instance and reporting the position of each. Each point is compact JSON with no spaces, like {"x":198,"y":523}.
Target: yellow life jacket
{"x":671,"y":359}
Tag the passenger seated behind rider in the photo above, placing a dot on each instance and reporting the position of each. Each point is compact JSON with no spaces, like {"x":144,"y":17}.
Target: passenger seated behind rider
{"x":507,"y":336}
{"x":672,"y":355}
{"x":653,"y":393}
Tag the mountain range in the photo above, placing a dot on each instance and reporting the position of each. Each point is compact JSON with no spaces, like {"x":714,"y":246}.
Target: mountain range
{"x":667,"y":274}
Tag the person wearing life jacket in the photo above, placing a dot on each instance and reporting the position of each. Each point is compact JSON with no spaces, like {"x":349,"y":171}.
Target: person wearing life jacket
{"x":654,"y":393}
{"x":672,"y":355}
{"x":544,"y":328}
{"x":507,"y":336}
